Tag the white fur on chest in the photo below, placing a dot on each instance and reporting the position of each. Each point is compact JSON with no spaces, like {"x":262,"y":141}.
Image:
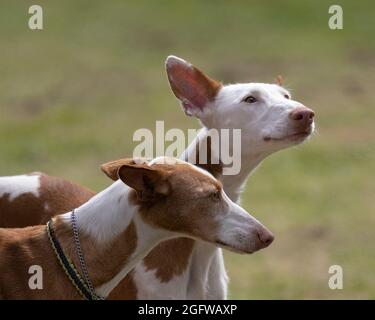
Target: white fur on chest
{"x":150,"y":287}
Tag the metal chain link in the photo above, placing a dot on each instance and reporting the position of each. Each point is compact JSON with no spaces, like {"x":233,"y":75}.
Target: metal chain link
{"x":80,"y":255}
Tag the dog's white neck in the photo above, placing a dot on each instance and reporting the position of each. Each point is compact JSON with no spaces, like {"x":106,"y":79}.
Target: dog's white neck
{"x":107,"y":214}
{"x":232,"y":183}
{"x":206,"y":281}
{"x":104,"y":218}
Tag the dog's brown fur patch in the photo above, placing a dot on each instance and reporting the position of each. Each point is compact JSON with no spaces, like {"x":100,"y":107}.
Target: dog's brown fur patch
{"x":21,"y":248}
{"x":216,"y":169}
{"x":56,"y":196}
{"x":126,"y":289}
{"x":103,"y":262}
{"x":170,"y":258}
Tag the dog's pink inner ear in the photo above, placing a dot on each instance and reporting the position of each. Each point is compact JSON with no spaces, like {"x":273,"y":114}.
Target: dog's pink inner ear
{"x":190,"y":85}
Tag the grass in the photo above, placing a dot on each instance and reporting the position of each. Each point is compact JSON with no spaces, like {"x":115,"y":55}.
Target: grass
{"x":72,"y":95}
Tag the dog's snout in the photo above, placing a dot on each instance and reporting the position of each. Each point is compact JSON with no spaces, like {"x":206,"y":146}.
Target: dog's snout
{"x":265,"y":237}
{"x":302,"y":115}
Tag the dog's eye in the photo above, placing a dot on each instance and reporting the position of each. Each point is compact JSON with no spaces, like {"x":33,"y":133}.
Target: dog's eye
{"x":286,"y":96}
{"x":215,"y":195}
{"x":250,"y":99}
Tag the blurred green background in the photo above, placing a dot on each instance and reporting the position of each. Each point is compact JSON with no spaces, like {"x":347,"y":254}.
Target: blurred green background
{"x":72,"y":95}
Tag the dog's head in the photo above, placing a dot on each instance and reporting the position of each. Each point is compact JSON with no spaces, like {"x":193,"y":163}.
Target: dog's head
{"x":179,"y":198}
{"x":267,"y":115}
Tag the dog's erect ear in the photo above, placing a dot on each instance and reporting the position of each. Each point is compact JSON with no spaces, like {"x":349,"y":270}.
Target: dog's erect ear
{"x":190,"y":85}
{"x":111,"y":168}
{"x":279,"y":80}
{"x":147,"y":181}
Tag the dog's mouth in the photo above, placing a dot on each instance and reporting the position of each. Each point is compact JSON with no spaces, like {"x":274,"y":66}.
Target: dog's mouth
{"x":226,"y":246}
{"x":294,"y":137}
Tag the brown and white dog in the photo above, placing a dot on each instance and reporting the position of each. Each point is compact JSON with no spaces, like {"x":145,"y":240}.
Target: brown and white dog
{"x":269,"y":119}
{"x":150,"y":202}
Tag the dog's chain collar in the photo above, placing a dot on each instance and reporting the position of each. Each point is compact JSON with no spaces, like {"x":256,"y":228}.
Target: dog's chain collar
{"x":69,"y":268}
{"x":79,"y":253}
